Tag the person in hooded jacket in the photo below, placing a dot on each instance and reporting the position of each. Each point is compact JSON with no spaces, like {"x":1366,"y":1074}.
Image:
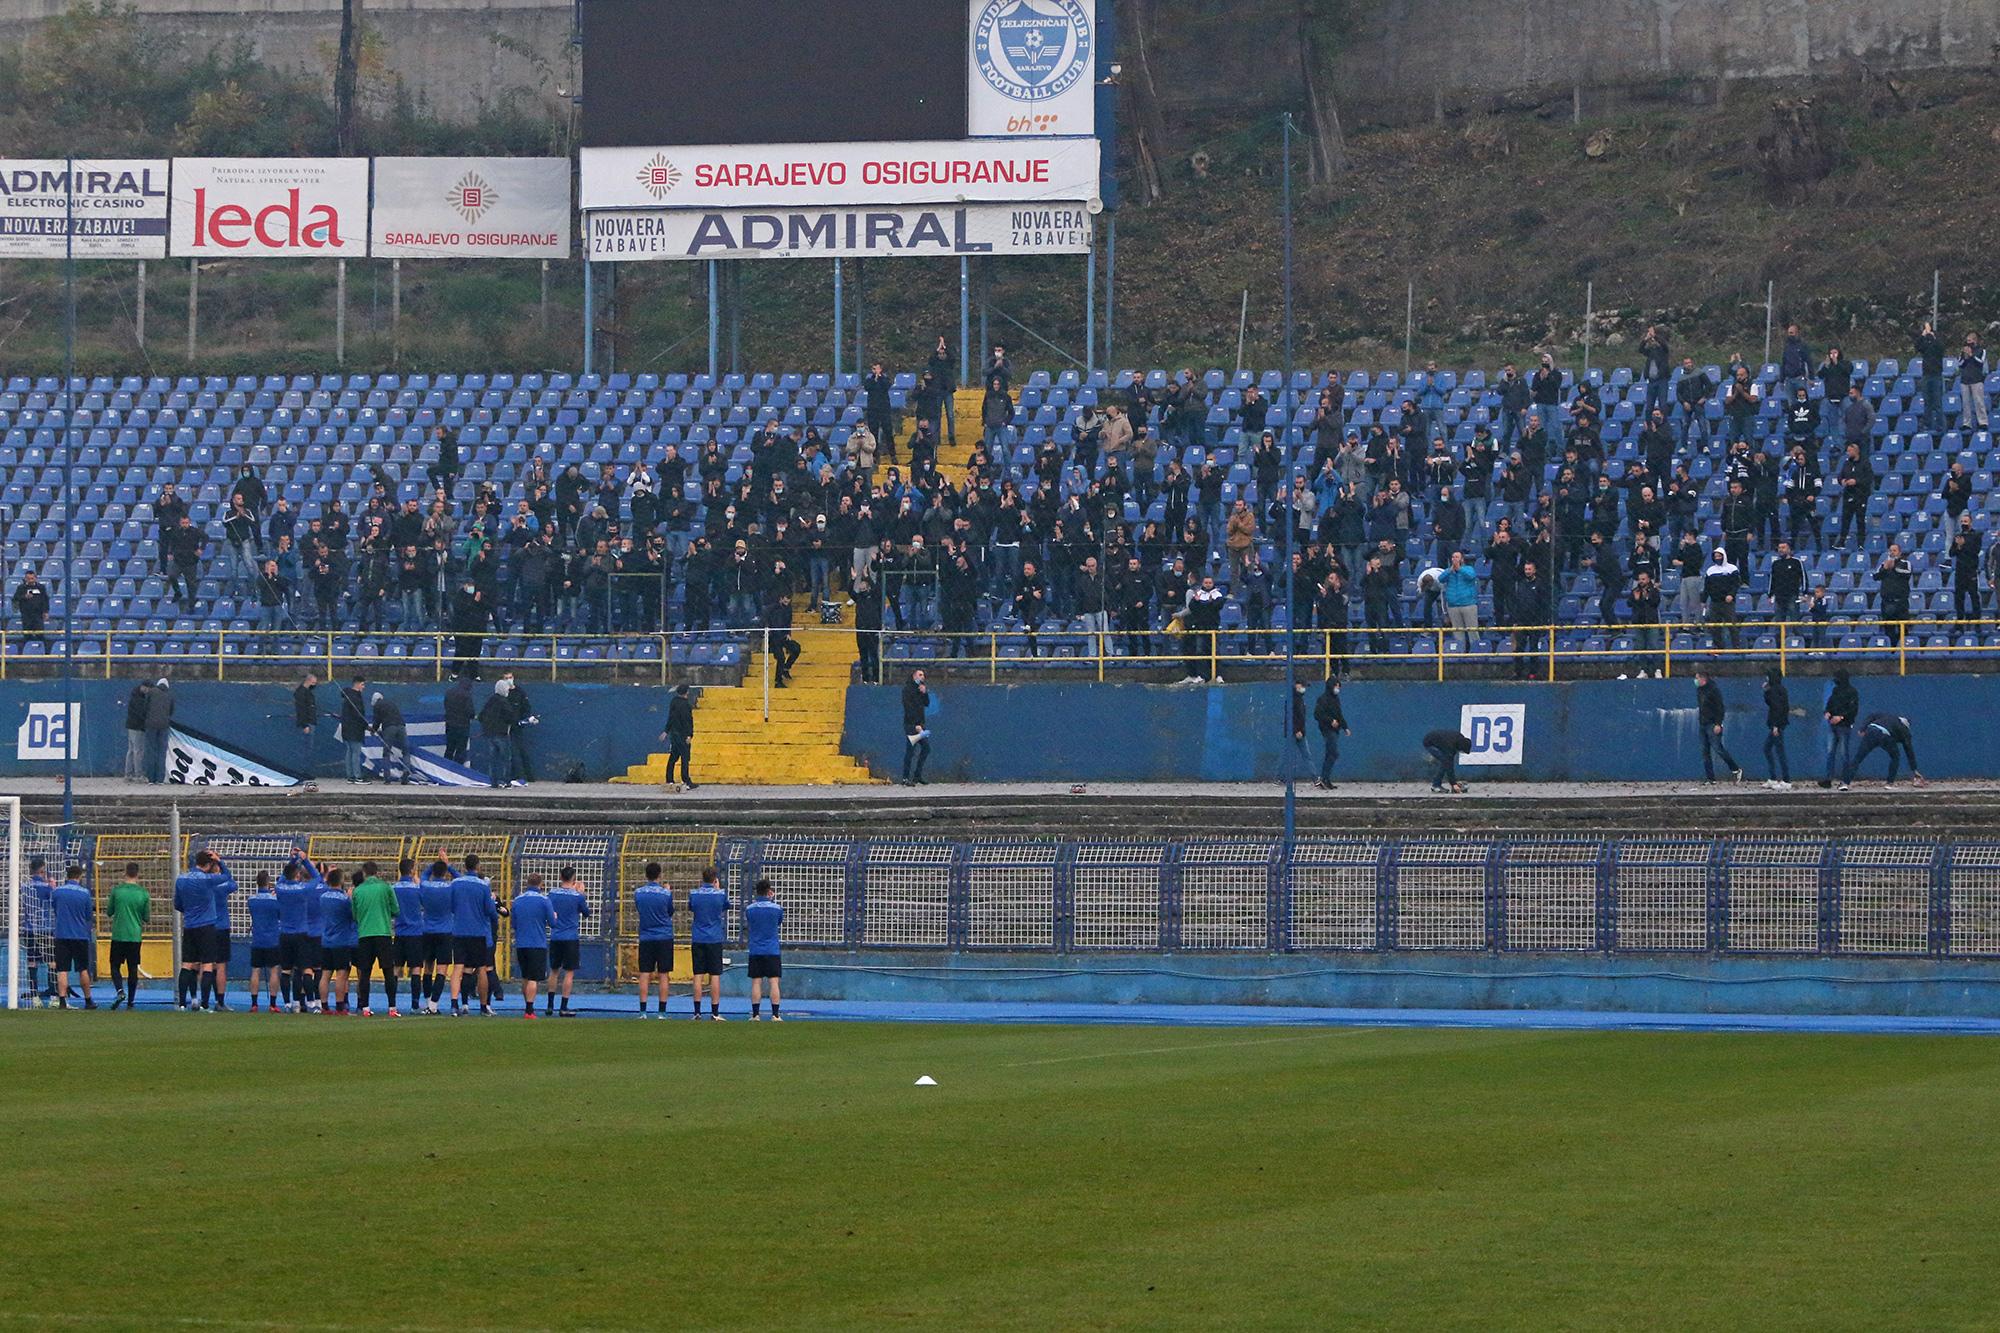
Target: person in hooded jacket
{"x":1712,"y":714}
{"x":1777,"y":716}
{"x":1843,"y":705}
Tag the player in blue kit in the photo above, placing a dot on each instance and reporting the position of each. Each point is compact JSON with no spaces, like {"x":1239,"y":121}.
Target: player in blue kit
{"x":411,"y":951}
{"x":709,"y":906}
{"x":37,"y":927}
{"x":435,"y":890}
{"x":338,"y":938}
{"x":73,"y":922}
{"x":219,"y":942}
{"x":266,"y":954}
{"x":474,"y":913}
{"x":298,"y":930}
{"x":532,"y":916}
{"x":653,"y":902}
{"x":570,"y":905}
{"x":195,"y":897}
{"x":762,"y":917}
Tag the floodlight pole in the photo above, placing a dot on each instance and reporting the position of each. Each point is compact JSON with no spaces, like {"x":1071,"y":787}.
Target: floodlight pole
{"x":1090,"y":310}
{"x":1291,"y":525}
{"x":836,"y":317}
{"x":589,"y":316}
{"x":714,"y":324}
{"x":69,"y":495}
{"x":964,"y":319}
{"x":1110,"y":284}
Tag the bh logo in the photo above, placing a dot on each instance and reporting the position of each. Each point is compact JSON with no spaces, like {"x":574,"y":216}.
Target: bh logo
{"x":1495,"y":730}
{"x":1032,"y":50}
{"x":45,"y":731}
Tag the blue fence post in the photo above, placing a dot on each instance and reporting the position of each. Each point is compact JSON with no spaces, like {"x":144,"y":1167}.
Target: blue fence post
{"x":1718,"y":895}
{"x":1170,"y":896}
{"x":1062,"y":899}
{"x":1496,"y":894}
{"x":958,"y":896}
{"x":857,"y":892}
{"x":1388,"y":863}
{"x":1941,"y":859}
{"x":1830,"y":862}
{"x":1278,"y":901}
{"x":1607,"y":895}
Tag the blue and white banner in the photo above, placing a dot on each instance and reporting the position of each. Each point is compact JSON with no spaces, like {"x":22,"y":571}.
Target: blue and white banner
{"x":426,"y":756}
{"x":115,"y":208}
{"x":196,"y":760}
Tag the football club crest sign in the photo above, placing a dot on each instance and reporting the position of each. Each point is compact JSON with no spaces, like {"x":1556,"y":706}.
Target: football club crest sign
{"x":1032,"y":64}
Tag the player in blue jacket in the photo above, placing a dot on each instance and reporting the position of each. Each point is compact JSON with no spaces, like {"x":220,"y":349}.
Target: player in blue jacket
{"x":571,"y":906}
{"x":474,"y":914}
{"x":298,"y":937}
{"x":653,"y":903}
{"x":37,"y":925}
{"x":762,"y":917}
{"x":709,"y":906}
{"x":195,"y":897}
{"x":410,"y":948}
{"x":338,"y":938}
{"x":73,"y":921}
{"x":533,"y":917}
{"x":266,"y":955}
{"x":219,"y":942}
{"x":435,"y":890}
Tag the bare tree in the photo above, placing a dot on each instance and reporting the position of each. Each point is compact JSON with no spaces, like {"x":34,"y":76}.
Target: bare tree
{"x":1320,"y":22}
{"x":1150,"y":147}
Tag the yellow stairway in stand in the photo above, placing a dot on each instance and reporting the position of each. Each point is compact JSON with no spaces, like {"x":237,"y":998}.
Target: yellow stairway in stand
{"x":952,"y":458}
{"x":800,"y":744}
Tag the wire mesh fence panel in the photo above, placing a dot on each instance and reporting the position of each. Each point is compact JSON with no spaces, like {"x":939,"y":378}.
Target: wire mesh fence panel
{"x":1010,"y":895}
{"x":36,"y":928}
{"x":496,"y":866}
{"x":589,"y":855}
{"x":1773,"y":895}
{"x":158,"y":865}
{"x":1335,"y":893}
{"x":1661,"y":900}
{"x":349,"y":850}
{"x":907,"y":894}
{"x":682,"y":857}
{"x":245,"y":855}
{"x":1441,"y":894}
{"x":1974,"y":894}
{"x":1550,"y":893}
{"x":1885,"y":896}
{"x":809,"y":876}
{"x":1117,"y":888}
{"x":1226,"y":894}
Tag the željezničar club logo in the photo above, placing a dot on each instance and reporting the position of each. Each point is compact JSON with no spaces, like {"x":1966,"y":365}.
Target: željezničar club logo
{"x":1032,"y":50}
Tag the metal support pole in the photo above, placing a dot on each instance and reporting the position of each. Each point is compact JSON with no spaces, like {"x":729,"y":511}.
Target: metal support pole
{"x":714,"y":325}
{"x":194,"y":304}
{"x":590,"y":316}
{"x":69,"y":500}
{"x":395,"y":312}
{"x":1291,"y":527}
{"x":611,"y":318}
{"x":1090,"y":309}
{"x":140,"y":319}
{"x":340,"y":312}
{"x":15,"y":888}
{"x":1589,"y":312}
{"x":860,"y":311}
{"x":735,"y":316}
{"x":1110,"y":286}
{"x":964,"y":319}
{"x":545,"y":296}
{"x":1409,"y":323}
{"x":1770,"y":306}
{"x":838,"y":317}
{"x":985,"y":308}
{"x":1935,"y":277}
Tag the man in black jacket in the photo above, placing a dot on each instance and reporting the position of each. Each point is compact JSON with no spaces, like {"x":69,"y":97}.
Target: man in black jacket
{"x":496,"y":724}
{"x":875,"y":385}
{"x":1893,"y":577}
{"x":1788,"y":583}
{"x":784,"y":648}
{"x":354,"y":728}
{"x":868,"y":627}
{"x":305,"y":718}
{"x":523,"y":767}
{"x":1711,"y":713}
{"x":1885,"y":731}
{"x":458,"y":715}
{"x":31,"y":599}
{"x":135,"y":731}
{"x":395,"y":736}
{"x":916,"y":730}
{"x":1693,"y":389}
{"x":679,"y":735}
{"x":1332,"y":722}
{"x":1444,"y":746}
{"x":1843,"y":705}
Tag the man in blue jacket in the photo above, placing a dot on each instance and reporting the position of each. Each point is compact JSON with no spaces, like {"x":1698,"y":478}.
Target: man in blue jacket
{"x":1461,"y":599}
{"x":762,"y":919}
{"x":74,"y":915}
{"x":474,"y":914}
{"x":195,"y":897}
{"x":709,"y":906}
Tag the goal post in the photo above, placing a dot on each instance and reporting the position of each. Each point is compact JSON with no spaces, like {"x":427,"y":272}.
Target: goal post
{"x":13,"y":867}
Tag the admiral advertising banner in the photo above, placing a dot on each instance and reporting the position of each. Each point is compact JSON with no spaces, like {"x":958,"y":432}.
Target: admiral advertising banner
{"x":262,"y":207}
{"x":117,"y":210}
{"x":1033,"y":67}
{"x":450,"y":207}
{"x":976,"y":229}
{"x":835,"y":175}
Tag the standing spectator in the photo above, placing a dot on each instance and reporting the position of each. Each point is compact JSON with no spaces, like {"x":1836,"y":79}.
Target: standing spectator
{"x":1857,"y":418}
{"x":1966,"y":600}
{"x":31,"y":599}
{"x":1545,"y":389}
{"x":1741,"y":403}
{"x":916,"y":729}
{"x":1788,"y":584}
{"x":943,"y":368}
{"x":1659,"y":364}
{"x":239,"y":535}
{"x":1461,"y":599}
{"x":1972,"y":384}
{"x":880,"y":412}
{"x":679,"y":736}
{"x":1241,"y":541}
{"x":1720,"y":583}
{"x":1694,"y":389}
{"x":444,"y":468}
{"x":1892,"y":576}
{"x":1712,"y":713}
{"x":1795,"y":361}
{"x":1514,"y":401}
{"x":458,"y":716}
{"x":1836,"y":377}
{"x":182,"y":547}
{"x":496,"y":726}
{"x":395,"y":736}
{"x":1444,"y":746}
{"x":1855,"y":482}
{"x":305,"y":719}
{"x":1644,"y":601}
{"x":138,"y":766}
{"x":1843,"y":705}
{"x":998,"y":367}
{"x":159,"y":718}
{"x":996,"y":414}
{"x":868,"y":627}
{"x":1201,"y":622}
{"x":1930,"y":348}
{"x":1332,"y":722}
{"x":522,"y":769}
{"x":354,"y":728}
{"x":1777,"y":717}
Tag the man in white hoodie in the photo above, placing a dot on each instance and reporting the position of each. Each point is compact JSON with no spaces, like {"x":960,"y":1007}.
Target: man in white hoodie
{"x":1720,"y":583}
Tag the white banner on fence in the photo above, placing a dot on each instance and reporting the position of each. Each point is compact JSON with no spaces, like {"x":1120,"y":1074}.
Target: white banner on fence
{"x":831,"y":175}
{"x":1033,"y":67}
{"x":976,"y":229}
{"x":201,"y":761}
{"x":443,"y":207}
{"x":1497,"y":732}
{"x":118,"y":209}
{"x":235,"y":207}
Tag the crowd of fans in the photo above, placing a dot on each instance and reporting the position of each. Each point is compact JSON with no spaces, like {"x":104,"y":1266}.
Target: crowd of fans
{"x":1147,"y":515}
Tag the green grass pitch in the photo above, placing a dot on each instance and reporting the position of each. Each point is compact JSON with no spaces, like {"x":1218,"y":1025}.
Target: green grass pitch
{"x":253,"y":1172}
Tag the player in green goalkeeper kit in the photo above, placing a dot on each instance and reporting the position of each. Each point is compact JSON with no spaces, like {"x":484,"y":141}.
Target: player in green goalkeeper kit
{"x":130,"y":907}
